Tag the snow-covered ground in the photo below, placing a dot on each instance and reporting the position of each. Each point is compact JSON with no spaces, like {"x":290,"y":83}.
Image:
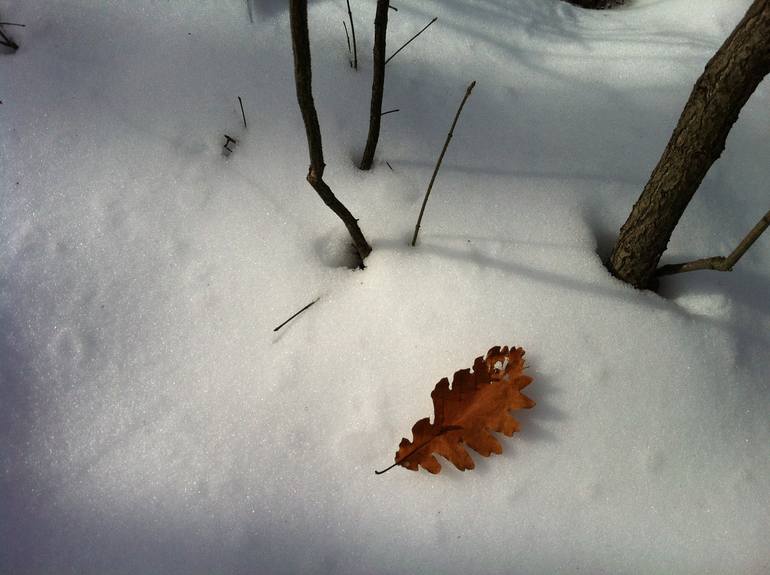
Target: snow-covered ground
{"x":151,"y":421}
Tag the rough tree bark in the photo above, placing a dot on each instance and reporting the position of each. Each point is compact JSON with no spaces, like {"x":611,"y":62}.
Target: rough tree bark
{"x":730,"y":77}
{"x":302,"y":77}
{"x":378,"y":83}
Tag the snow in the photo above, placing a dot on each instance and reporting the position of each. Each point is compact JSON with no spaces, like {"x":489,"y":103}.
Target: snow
{"x":153,"y":422}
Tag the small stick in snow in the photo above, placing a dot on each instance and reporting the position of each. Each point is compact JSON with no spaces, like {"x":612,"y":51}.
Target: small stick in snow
{"x":391,"y":167}
{"x":6,"y":40}
{"x":296,"y":314}
{"x":228,"y":140}
{"x":440,"y":158}
{"x":393,"y":8}
{"x":410,"y":40}
{"x":390,"y":111}
{"x":347,"y":37}
{"x":719,"y":263}
{"x":353,"y":33}
{"x":248,"y":7}
{"x":242,"y":112}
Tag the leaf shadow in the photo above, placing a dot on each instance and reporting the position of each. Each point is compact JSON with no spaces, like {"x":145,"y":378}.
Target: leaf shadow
{"x":535,"y":422}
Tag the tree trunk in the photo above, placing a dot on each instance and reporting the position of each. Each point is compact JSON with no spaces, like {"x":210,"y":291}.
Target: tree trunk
{"x":378,"y":83}
{"x":728,"y":81}
{"x":303,"y":80}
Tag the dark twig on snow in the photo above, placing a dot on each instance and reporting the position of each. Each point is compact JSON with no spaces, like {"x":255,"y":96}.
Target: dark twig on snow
{"x":228,"y":140}
{"x":347,"y":37}
{"x":353,"y":33}
{"x":440,"y":158}
{"x":390,"y":111}
{"x":5,"y":40}
{"x":296,"y":314}
{"x":410,"y":40}
{"x":242,"y":112}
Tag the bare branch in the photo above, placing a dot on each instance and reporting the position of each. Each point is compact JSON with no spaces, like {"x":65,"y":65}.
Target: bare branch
{"x":719,"y":263}
{"x":440,"y":159}
{"x":410,"y":40}
{"x":378,"y":84}
{"x":353,"y":32}
{"x":303,"y":80}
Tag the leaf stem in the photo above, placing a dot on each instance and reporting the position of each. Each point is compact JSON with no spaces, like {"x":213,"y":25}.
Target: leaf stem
{"x":443,"y":430}
{"x":407,"y":456}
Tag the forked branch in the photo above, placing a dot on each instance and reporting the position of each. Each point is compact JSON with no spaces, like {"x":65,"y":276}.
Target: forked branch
{"x":303,"y":80}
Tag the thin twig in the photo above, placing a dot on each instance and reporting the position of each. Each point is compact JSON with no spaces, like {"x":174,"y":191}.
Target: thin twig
{"x":242,"y":112}
{"x":228,"y":140}
{"x":353,"y":33}
{"x":440,"y":158}
{"x":391,"y":167}
{"x":393,"y":8}
{"x":410,"y":40}
{"x":296,"y":314}
{"x":347,"y":37}
{"x":719,"y":263}
{"x":390,"y":111}
{"x":6,"y":40}
{"x":13,"y":24}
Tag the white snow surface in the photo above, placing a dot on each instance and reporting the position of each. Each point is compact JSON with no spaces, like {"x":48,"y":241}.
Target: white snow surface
{"x":151,"y":420}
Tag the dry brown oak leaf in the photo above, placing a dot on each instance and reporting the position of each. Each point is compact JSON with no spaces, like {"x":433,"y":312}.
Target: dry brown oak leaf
{"x":478,"y":403}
